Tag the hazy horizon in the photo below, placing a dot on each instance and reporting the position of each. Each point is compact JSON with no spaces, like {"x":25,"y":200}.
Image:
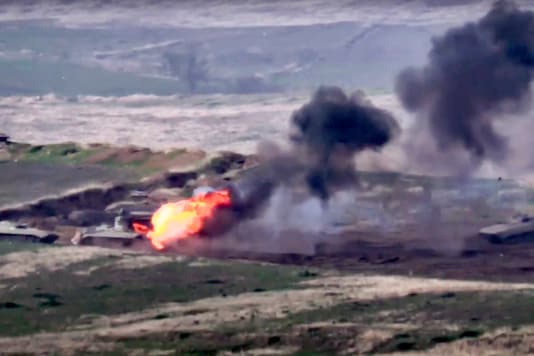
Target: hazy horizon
{"x":122,"y":48}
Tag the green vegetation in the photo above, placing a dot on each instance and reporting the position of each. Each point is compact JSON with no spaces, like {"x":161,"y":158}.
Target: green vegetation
{"x":424,"y":339}
{"x":53,"y":301}
{"x":7,"y":246}
{"x":474,"y":313}
{"x":435,"y":319}
{"x":70,"y":153}
{"x":56,"y":301}
{"x":481,"y":310}
{"x":140,"y":160}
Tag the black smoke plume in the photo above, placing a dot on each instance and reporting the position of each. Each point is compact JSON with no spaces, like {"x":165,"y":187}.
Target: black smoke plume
{"x":474,"y":74}
{"x":327,"y":133}
{"x":331,"y":129}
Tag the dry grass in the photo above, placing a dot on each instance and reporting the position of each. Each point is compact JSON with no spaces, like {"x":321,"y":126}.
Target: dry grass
{"x":204,"y":316}
{"x":504,"y":341}
{"x":210,"y":313}
{"x":22,"y":264}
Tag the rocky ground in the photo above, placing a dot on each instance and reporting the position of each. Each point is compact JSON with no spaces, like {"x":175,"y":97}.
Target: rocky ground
{"x":432,"y":287}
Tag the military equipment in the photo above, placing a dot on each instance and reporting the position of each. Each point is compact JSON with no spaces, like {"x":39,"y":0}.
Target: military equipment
{"x":107,"y":236}
{"x":4,"y":138}
{"x":499,"y":233}
{"x":140,"y":215}
{"x":23,"y":232}
{"x":138,"y":195}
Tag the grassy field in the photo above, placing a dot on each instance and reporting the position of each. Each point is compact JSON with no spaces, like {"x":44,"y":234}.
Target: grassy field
{"x":94,"y":301}
{"x":35,"y":171}
{"x":106,"y":155}
{"x":51,"y":300}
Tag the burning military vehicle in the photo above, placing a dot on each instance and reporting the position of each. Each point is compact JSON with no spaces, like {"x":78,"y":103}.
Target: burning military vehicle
{"x":459,"y":122}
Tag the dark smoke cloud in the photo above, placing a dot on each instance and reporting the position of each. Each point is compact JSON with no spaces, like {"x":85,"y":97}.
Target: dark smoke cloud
{"x":327,"y":133}
{"x":475,"y":73}
{"x":331,"y":129}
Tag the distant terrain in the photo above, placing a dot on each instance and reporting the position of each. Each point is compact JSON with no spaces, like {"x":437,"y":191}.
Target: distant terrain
{"x":163,"y":47}
{"x":40,"y":58}
{"x":108,"y":110}
{"x":206,"y":122}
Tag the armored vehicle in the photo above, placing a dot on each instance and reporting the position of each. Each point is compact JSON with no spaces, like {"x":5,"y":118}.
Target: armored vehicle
{"x":107,"y":236}
{"x":4,"y":138}
{"x":119,"y":235}
{"x":499,"y":233}
{"x":14,"y":231}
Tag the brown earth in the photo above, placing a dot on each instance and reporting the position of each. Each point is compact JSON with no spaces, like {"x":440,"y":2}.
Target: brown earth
{"x":477,"y":260}
{"x":350,"y":313}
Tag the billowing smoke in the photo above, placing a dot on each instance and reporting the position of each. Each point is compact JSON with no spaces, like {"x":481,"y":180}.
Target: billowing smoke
{"x":287,"y":193}
{"x":330,"y":129}
{"x":476,"y":74}
{"x":476,"y":77}
{"x":326,"y":134}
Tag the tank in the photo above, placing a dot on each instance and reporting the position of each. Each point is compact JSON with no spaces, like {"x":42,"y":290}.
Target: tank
{"x":133,"y":213}
{"x":500,"y":233}
{"x":105,"y":235}
{"x":141,"y":215}
{"x":138,"y":195}
{"x":15,"y":231}
{"x":4,"y":138}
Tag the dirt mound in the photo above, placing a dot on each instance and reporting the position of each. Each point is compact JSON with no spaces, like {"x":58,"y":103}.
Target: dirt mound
{"x":78,"y":205}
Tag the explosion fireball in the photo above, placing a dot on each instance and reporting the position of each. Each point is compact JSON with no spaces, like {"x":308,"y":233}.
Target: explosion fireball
{"x":183,"y":219}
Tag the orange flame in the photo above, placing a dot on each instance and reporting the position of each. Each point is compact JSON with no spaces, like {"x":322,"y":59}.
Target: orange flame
{"x":183,"y":219}
{"x":140,"y":228}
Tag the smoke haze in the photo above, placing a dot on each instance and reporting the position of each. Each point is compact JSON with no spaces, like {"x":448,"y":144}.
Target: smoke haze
{"x":475,"y":75}
{"x":331,"y":129}
{"x":327,"y":133}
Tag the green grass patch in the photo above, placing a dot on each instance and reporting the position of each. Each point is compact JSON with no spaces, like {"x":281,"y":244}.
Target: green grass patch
{"x":473,"y":313}
{"x":476,"y":310}
{"x":184,"y":343}
{"x":424,"y":339}
{"x":75,"y":154}
{"x":9,"y":246}
{"x":53,"y":301}
{"x":70,"y":153}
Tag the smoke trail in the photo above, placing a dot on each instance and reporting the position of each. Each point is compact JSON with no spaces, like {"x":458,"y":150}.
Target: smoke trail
{"x":475,"y":74}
